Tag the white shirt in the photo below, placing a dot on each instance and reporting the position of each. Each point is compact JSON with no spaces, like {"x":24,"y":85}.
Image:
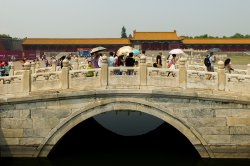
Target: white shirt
{"x":100,"y":61}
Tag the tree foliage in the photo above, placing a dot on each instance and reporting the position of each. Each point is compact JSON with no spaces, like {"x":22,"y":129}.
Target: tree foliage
{"x":4,"y":36}
{"x":124,"y":33}
{"x":10,"y":43}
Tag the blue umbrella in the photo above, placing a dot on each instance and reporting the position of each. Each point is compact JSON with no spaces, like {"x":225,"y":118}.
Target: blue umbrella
{"x":136,"y":52}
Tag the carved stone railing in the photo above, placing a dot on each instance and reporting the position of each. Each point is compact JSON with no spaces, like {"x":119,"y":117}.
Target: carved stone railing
{"x":26,"y":80}
{"x":18,"y":72}
{"x":45,"y":81}
{"x":238,"y":71}
{"x":43,"y":70}
{"x":238,"y":83}
{"x":160,"y":77}
{"x":196,"y":67}
{"x":124,"y":76}
{"x":202,"y":79}
{"x":85,"y":78}
{"x":11,"y":84}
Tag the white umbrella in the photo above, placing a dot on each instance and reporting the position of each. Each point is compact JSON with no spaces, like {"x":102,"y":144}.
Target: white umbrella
{"x":125,"y":50}
{"x":176,"y":51}
{"x":96,"y":49}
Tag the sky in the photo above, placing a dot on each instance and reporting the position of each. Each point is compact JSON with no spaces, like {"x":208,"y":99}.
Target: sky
{"x":105,"y":18}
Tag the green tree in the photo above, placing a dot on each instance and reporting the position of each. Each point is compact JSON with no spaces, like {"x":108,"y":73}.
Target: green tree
{"x":4,"y":36}
{"x":238,"y":35}
{"x":124,"y":33}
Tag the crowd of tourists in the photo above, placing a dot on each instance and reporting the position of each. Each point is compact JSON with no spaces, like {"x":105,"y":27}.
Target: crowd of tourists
{"x":94,"y":60}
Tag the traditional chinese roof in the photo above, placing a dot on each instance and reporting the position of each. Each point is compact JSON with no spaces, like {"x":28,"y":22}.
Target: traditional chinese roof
{"x":75,"y":41}
{"x":155,"y":36}
{"x":217,"y":41}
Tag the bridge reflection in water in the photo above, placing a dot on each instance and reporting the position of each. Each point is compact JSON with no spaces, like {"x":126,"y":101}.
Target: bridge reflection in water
{"x":96,"y":142}
{"x":128,"y":123}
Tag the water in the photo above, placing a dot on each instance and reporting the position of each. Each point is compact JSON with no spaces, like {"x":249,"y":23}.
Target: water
{"x":125,"y":159}
{"x":90,"y":144}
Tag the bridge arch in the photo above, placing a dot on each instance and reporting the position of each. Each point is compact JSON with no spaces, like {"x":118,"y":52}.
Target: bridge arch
{"x":120,"y":104}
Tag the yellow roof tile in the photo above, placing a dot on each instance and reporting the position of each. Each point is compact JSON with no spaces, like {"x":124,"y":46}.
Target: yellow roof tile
{"x":217,"y":41}
{"x":75,"y":41}
{"x":155,"y":36}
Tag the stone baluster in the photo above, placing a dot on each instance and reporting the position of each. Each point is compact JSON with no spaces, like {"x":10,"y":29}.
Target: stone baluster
{"x":65,"y":74}
{"x":32,"y":67}
{"x":53,"y":66}
{"x":221,"y":76}
{"x":37,"y":64}
{"x":12,"y":69}
{"x":104,"y":71}
{"x":163,"y":61}
{"x":38,"y":53}
{"x":248,"y":69}
{"x":182,"y":73}
{"x":143,"y":70}
{"x":76,"y":64}
{"x":27,"y":77}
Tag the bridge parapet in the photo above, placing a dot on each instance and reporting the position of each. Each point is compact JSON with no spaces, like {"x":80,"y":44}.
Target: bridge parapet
{"x":85,"y":78}
{"x":162,"y":77}
{"x":11,"y":84}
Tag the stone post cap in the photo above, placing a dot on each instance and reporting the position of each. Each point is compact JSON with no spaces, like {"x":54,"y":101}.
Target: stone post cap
{"x":183,"y":61}
{"x":142,"y":59}
{"x":104,"y":58}
{"x":27,"y":66}
{"x":12,"y":66}
{"x":65,"y":63}
{"x":33,"y":63}
{"x":53,"y":61}
{"x":220,"y":65}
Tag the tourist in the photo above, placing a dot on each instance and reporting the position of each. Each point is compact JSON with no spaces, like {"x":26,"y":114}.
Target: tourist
{"x":227,"y":65}
{"x":100,"y":60}
{"x":170,"y":56}
{"x":130,"y":61}
{"x":212,"y":59}
{"x":158,"y":61}
{"x":172,"y":62}
{"x":7,"y":69}
{"x":172,"y":65}
{"x":116,"y":60}
{"x":90,"y":66}
{"x":111,"y":60}
{"x":120,"y":60}
{"x":95,"y":59}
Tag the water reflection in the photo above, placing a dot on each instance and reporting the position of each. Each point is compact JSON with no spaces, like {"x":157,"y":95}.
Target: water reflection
{"x":128,"y":123}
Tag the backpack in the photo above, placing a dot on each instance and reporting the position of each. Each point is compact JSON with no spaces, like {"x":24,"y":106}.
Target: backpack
{"x":207,"y":62}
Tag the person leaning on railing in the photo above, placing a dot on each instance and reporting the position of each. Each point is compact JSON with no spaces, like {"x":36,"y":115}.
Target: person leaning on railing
{"x":89,"y":73}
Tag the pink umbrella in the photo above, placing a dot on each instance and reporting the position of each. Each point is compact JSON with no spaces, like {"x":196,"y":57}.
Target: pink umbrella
{"x":176,"y":51}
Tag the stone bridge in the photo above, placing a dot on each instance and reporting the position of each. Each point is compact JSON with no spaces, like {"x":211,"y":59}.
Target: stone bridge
{"x":37,"y":109}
